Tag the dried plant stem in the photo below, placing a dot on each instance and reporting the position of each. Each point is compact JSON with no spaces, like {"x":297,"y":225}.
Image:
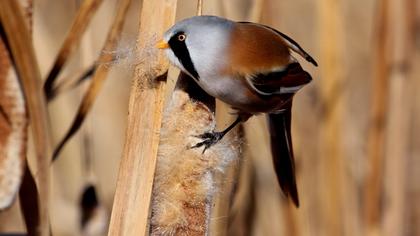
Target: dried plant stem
{"x":20,"y":42}
{"x":80,"y":23}
{"x":199,"y":7}
{"x":336,"y":191}
{"x":398,"y":123}
{"x":376,"y":135}
{"x":134,"y":184}
{"x":256,"y":10}
{"x":99,"y":75}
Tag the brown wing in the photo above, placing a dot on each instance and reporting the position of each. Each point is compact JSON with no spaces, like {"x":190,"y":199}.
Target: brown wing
{"x":262,"y":56}
{"x":282,"y":152}
{"x":289,"y":80}
{"x":292,"y":44}
{"x":255,"y":49}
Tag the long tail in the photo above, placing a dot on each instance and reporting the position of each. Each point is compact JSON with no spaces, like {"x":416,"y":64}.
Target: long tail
{"x":282,"y":152}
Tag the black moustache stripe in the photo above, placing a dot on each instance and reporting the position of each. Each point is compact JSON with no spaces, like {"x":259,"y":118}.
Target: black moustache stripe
{"x":181,"y":52}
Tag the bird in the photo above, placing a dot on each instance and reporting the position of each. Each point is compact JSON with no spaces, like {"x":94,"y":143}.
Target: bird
{"x":250,"y":67}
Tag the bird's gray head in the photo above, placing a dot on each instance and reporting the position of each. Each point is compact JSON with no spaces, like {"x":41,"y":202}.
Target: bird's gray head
{"x":196,"y":44}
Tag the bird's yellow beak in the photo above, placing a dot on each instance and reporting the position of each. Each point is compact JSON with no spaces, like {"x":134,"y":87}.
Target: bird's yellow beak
{"x":162,"y":44}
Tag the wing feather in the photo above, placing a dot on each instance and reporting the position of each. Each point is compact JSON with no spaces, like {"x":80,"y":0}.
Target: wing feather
{"x":286,"y":81}
{"x":292,"y":44}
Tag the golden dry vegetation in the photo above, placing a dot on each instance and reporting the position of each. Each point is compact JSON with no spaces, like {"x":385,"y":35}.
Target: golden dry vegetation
{"x":355,"y":127}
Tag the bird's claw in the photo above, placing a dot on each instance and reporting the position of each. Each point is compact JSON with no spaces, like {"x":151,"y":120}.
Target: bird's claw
{"x":209,"y":139}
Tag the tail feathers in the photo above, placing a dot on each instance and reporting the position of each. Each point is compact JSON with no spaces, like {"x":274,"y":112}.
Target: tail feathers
{"x":282,"y":152}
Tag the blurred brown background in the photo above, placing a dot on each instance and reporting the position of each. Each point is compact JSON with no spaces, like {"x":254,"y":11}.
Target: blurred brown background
{"x":355,"y":126}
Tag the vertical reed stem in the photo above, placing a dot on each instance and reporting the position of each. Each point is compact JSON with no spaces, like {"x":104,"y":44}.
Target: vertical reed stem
{"x":376,"y":135}
{"x":333,"y":170}
{"x":134,"y":184}
{"x":398,"y":123}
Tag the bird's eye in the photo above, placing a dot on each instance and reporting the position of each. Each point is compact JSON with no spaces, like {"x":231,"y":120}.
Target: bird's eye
{"x":181,"y":37}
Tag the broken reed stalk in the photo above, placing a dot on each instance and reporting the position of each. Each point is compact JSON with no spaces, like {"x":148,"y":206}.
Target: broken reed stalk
{"x":20,"y":43}
{"x":81,"y":21}
{"x":99,"y":76}
{"x":134,"y":183}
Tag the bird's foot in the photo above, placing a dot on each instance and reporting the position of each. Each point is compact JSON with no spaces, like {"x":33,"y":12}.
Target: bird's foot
{"x":209,"y":139}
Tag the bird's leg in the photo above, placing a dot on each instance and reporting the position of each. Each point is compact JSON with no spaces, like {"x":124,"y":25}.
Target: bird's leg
{"x":213,"y":137}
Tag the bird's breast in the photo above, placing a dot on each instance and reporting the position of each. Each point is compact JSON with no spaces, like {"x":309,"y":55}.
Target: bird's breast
{"x":237,"y":93}
{"x":229,"y":90}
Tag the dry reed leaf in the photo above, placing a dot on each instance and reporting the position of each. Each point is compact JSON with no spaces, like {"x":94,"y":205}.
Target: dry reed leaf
{"x":71,"y":81}
{"x":99,"y":76}
{"x":19,"y":40}
{"x":134,"y":184}
{"x":81,"y":21}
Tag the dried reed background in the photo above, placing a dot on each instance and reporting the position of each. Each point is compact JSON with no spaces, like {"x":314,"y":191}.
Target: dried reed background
{"x":355,"y":127}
